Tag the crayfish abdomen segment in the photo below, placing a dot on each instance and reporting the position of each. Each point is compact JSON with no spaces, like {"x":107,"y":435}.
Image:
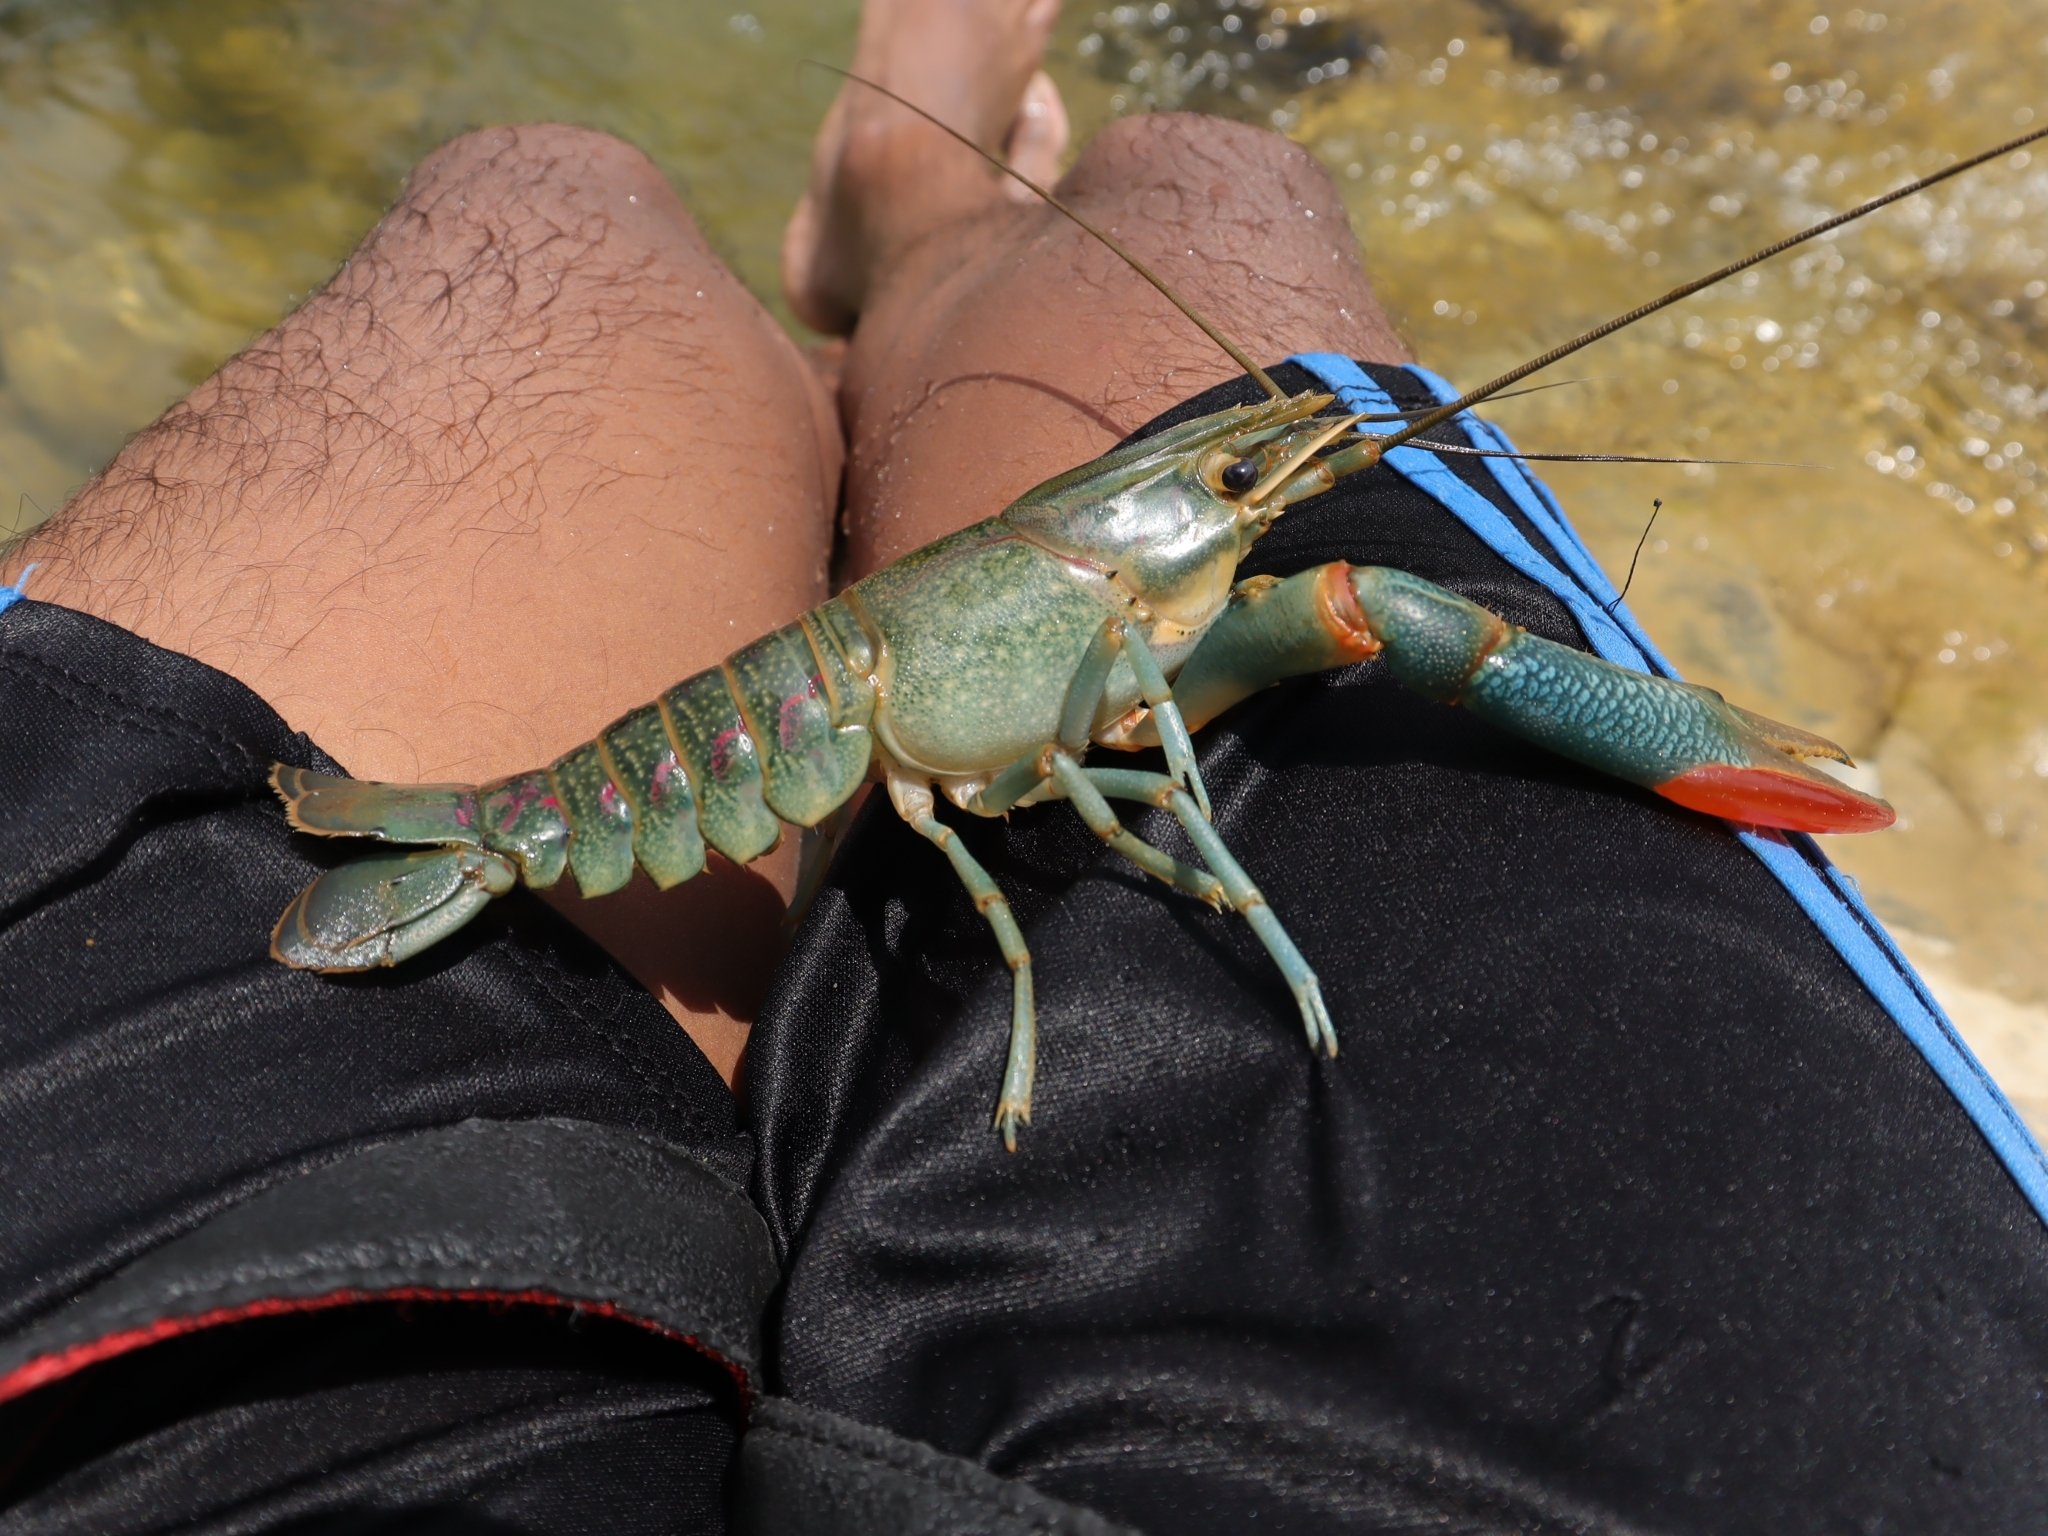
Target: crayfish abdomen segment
{"x":778,"y":732}
{"x":793,"y":691}
{"x":642,"y":760}
{"x":601,"y":849}
{"x":724,"y":763}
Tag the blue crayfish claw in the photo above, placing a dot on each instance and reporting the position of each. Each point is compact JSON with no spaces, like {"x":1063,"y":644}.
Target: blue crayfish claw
{"x":1685,"y":742}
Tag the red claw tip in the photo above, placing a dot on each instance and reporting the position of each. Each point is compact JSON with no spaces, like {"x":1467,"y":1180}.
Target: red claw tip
{"x":1769,"y":797}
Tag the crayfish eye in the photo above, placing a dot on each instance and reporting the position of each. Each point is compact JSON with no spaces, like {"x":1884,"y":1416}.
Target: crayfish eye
{"x":1240,"y":475}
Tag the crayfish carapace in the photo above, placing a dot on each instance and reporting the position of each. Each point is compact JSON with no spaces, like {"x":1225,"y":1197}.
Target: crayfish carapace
{"x":1100,"y":609}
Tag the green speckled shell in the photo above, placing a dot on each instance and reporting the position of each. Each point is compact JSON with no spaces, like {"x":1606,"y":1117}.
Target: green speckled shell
{"x":398,"y":813}
{"x":985,"y":632}
{"x":724,"y":765}
{"x":643,"y":763}
{"x":601,"y":844}
{"x":522,"y":817}
{"x":810,"y":764}
{"x":840,"y":631}
{"x":379,"y":910}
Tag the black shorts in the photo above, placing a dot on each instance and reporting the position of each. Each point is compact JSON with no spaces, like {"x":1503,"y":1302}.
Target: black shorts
{"x":1626,"y":1206}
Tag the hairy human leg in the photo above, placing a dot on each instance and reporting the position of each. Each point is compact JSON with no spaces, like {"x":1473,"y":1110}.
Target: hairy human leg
{"x":1008,"y":346}
{"x":996,"y":343}
{"x":533,"y":455}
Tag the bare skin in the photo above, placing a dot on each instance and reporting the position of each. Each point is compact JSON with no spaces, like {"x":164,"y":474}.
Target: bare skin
{"x":973,"y":63}
{"x":535,"y":454}
{"x":999,"y":351}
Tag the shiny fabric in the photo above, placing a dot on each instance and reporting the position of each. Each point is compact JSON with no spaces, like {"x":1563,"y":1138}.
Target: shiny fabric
{"x":1625,"y":1207}
{"x":158,"y":1071}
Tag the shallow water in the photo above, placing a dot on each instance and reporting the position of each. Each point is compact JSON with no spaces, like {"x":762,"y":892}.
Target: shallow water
{"x":173,"y":176}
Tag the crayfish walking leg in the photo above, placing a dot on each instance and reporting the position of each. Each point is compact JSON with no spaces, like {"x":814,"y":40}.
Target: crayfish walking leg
{"x":913,"y":801}
{"x":1084,"y":784}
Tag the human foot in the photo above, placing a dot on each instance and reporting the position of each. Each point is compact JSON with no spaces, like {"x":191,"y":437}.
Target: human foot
{"x":1038,"y":137}
{"x":881,"y":176}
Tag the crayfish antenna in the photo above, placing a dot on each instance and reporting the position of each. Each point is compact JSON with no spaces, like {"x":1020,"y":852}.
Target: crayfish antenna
{"x":1685,"y":290}
{"x":1370,"y":450}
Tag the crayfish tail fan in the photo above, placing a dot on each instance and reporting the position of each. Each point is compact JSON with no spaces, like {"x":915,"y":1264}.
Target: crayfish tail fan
{"x":381,"y":910}
{"x":332,"y":806}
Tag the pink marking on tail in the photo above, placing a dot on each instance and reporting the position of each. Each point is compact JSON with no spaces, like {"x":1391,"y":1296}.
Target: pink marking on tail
{"x":789,"y":722}
{"x":1769,"y":797}
{"x":516,"y":804}
{"x":724,"y":748}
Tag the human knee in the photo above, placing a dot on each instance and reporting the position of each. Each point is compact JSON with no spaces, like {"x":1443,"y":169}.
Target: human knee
{"x":1215,"y":167}
{"x":493,"y":167}
{"x":531,"y":235}
{"x":565,"y":192}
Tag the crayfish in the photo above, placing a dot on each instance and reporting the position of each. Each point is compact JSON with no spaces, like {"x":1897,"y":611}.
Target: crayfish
{"x":1100,"y":609}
